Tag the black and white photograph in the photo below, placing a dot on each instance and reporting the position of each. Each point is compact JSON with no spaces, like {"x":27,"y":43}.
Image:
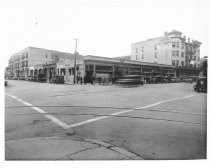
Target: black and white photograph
{"x":104,"y":80}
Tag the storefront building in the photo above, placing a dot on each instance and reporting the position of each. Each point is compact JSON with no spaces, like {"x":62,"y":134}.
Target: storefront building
{"x":63,"y":64}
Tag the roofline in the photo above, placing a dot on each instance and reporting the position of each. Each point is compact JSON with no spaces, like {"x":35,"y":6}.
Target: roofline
{"x":28,"y":48}
{"x":127,"y":62}
{"x":147,"y":40}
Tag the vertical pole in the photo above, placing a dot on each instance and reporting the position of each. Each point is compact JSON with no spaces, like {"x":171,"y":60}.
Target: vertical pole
{"x":94,"y":70}
{"x":113,"y":71}
{"x":75,"y":53}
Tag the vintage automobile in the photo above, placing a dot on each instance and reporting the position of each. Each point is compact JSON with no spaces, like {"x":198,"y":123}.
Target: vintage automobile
{"x":130,"y":80}
{"x":42,"y":78}
{"x":57,"y":79}
{"x":5,"y":83}
{"x":32,"y":78}
{"x":201,"y":85}
{"x":157,"y":79}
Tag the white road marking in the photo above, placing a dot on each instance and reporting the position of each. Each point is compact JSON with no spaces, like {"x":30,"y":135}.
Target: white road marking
{"x":65,"y":126}
{"x":52,"y":118}
{"x":126,"y":111}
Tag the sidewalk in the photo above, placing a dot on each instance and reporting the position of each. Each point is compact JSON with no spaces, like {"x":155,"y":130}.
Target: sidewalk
{"x":60,"y":148}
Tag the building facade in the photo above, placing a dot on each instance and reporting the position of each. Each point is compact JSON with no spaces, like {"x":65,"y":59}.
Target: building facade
{"x":24,"y":63}
{"x":32,"y":62}
{"x":171,"y":49}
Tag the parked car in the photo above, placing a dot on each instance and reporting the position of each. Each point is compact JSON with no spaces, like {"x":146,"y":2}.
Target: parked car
{"x":42,"y":78}
{"x":5,"y":83}
{"x":21,"y":78}
{"x":201,"y":85}
{"x":57,"y":79}
{"x":188,"y":80}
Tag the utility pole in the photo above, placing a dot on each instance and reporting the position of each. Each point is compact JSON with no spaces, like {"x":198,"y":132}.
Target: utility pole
{"x":75,"y":55}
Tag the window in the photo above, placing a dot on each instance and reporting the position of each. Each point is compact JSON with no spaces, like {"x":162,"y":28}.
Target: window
{"x":198,"y":65}
{"x":155,"y":55}
{"x":136,"y":57}
{"x":182,"y":63}
{"x":173,"y":62}
{"x":142,"y":49}
{"x":194,"y":57}
{"x":155,"y":46}
{"x":182,"y":45}
{"x":142,"y":56}
{"x":175,"y":53}
{"x":46,"y":55}
{"x":177,"y":62}
{"x":198,"y":58}
{"x":26,"y":55}
{"x":136,"y":50}
{"x":182,"y":54}
{"x":175,"y":44}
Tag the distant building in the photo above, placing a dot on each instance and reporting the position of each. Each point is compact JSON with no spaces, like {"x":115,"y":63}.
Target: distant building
{"x":22,"y":63}
{"x":32,"y":63}
{"x":170,"y":49}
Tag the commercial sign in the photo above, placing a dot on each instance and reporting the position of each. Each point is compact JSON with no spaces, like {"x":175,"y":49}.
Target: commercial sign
{"x":164,"y":44}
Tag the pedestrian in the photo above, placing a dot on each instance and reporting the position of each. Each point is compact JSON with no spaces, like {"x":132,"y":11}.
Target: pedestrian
{"x":99,"y":80}
{"x":85,"y":79}
{"x":81,"y":80}
{"x":77,"y":79}
{"x":92,"y":79}
{"x":104,"y":80}
{"x":107,"y":80}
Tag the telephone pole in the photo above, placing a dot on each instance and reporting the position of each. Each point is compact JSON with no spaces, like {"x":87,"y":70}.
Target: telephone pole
{"x":75,"y":55}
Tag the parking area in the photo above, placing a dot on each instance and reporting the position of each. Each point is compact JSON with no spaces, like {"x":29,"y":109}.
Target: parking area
{"x":154,"y":121}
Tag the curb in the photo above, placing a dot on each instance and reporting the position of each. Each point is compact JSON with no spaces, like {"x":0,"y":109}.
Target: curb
{"x":122,"y":151}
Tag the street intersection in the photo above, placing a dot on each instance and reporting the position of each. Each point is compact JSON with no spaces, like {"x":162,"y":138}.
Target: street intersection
{"x":156,"y":121}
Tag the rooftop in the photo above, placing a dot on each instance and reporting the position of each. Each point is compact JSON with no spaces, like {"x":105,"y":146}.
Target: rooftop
{"x":174,"y":32}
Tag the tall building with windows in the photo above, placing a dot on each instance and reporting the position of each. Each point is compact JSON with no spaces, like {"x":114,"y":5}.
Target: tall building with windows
{"x":170,"y":49}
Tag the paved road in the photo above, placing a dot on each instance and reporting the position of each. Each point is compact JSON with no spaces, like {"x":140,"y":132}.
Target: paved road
{"x":164,"y":121}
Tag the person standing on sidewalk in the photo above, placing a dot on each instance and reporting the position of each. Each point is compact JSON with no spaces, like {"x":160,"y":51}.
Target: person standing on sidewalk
{"x":85,"y":79}
{"x":103,"y":80}
{"x":81,"y":80}
{"x":99,"y":80}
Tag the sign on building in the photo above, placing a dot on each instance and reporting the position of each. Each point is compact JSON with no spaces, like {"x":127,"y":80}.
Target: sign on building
{"x":164,"y":44}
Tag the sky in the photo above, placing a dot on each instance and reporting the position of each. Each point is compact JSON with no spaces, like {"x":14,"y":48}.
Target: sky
{"x":104,"y":28}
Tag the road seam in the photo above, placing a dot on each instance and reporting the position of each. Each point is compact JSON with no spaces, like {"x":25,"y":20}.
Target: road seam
{"x":114,"y":148}
{"x":126,"y":111}
{"x":52,"y":118}
{"x":65,"y":126}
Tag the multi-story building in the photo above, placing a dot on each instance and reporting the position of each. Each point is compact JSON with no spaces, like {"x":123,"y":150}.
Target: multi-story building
{"x":171,"y":49}
{"x":24,"y":62}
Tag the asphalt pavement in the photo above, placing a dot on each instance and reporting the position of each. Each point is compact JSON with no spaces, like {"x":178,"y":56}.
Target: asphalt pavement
{"x":156,"y":121}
